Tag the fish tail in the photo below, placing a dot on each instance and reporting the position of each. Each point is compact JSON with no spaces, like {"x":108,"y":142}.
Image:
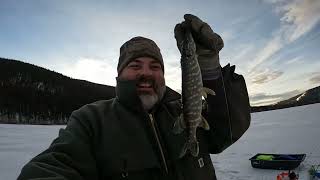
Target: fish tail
{"x":179,"y":125}
{"x":192,"y":146}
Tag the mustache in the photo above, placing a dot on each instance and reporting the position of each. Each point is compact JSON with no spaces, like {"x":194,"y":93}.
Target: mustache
{"x":145,"y":79}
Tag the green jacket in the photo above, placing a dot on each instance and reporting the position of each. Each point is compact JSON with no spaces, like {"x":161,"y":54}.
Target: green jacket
{"x":116,"y":139}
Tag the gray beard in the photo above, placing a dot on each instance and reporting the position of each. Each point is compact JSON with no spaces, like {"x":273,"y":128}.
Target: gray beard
{"x":148,"y":101}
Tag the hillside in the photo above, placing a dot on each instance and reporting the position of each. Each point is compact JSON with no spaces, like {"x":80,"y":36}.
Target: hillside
{"x":33,"y":95}
{"x":310,"y":96}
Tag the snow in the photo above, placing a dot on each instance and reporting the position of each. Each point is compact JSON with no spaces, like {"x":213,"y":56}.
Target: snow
{"x":19,"y":143}
{"x":298,"y":99}
{"x":293,"y":130}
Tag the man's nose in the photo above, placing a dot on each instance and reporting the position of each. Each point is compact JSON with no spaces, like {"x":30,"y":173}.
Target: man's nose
{"x":146,"y":70}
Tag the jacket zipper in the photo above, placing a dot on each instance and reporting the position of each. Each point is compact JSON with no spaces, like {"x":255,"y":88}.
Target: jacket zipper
{"x":158,"y":142}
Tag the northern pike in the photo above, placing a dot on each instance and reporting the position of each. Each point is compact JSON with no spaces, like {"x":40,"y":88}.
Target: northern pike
{"x":192,"y":92}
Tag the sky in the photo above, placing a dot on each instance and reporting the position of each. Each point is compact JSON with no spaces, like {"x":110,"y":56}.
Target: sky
{"x":273,"y":43}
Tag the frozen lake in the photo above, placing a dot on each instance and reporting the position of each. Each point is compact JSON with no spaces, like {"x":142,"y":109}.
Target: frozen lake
{"x":293,"y":130}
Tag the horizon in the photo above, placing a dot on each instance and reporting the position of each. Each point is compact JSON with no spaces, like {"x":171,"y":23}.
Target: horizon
{"x":170,"y":87}
{"x":273,"y":43}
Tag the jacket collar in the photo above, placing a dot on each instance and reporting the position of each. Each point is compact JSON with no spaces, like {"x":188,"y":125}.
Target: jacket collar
{"x":127,"y":95}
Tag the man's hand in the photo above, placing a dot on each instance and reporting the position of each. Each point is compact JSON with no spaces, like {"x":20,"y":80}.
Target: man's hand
{"x":208,"y":44}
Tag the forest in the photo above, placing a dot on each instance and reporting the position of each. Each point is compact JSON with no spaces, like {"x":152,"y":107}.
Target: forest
{"x":34,"y":95}
{"x":30,"y":94}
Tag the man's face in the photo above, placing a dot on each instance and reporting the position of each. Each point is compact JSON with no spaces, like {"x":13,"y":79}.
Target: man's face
{"x":150,"y":79}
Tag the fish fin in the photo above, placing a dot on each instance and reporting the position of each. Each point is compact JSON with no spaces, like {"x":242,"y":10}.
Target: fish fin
{"x":206,"y":91}
{"x":204,"y":94}
{"x":179,"y":125}
{"x":192,"y":146}
{"x":204,"y":123}
{"x":205,"y":105}
{"x":184,"y":151}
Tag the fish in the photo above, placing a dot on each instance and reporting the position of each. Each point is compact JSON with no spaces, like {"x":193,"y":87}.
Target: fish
{"x":192,"y":93}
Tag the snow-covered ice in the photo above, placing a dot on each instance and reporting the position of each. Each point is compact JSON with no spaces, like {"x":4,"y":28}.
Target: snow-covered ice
{"x":292,"y":130}
{"x":19,"y":143}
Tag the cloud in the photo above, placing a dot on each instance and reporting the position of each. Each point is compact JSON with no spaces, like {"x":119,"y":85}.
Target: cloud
{"x":173,"y":76}
{"x":274,"y":1}
{"x":301,"y":16}
{"x":93,"y":70}
{"x":265,"y":76}
{"x":270,"y":48}
{"x":294,"y":60}
{"x":265,"y":99}
{"x":315,"y":79}
{"x":227,"y":35}
{"x":297,"y":17}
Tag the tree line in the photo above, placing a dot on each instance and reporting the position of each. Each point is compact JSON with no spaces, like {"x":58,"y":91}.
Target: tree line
{"x":33,"y":95}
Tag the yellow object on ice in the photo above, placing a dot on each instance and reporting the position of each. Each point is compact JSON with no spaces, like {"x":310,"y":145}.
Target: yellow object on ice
{"x":265,"y":157}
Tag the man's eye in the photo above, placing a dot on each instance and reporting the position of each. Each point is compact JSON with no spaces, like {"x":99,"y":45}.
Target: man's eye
{"x":156,"y":66}
{"x":134,"y":66}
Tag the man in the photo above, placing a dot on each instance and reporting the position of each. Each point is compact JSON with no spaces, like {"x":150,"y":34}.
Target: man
{"x":131,"y":135}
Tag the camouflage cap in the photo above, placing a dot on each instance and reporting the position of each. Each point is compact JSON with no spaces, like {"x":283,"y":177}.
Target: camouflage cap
{"x":138,"y":47}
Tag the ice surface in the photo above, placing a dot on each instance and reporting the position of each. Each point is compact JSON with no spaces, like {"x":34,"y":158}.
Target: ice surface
{"x":293,"y":130}
{"x":19,"y":143}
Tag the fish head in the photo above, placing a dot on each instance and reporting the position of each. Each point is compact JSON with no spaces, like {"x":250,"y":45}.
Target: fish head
{"x":189,"y":45}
